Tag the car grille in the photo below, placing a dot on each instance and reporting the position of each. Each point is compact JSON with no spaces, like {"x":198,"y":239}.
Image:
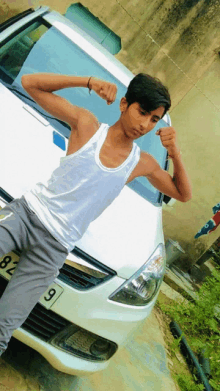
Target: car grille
{"x":41,"y":322}
{"x":78,"y":279}
{"x":84,"y":277}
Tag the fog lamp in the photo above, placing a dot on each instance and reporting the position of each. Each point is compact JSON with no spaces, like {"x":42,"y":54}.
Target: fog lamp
{"x":99,"y":347}
{"x":82,"y":343}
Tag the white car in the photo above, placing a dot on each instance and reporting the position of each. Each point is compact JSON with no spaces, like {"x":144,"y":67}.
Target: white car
{"x":110,"y":281}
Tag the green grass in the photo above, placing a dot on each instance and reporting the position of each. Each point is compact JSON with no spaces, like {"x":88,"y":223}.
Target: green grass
{"x":198,"y":322}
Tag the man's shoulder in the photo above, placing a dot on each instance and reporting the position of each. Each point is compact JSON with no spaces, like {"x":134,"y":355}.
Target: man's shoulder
{"x":147,"y":163}
{"x":81,"y":135}
{"x":87,"y":121}
{"x":146,"y":157}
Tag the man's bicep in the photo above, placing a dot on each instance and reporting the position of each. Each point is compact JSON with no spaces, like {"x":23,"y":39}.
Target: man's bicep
{"x":163,"y":181}
{"x":58,"y":106}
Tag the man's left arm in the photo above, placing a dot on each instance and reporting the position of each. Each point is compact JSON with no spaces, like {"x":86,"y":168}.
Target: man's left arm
{"x":178,"y":186}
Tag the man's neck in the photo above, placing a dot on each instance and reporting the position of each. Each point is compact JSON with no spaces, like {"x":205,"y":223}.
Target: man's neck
{"x":117,"y":137}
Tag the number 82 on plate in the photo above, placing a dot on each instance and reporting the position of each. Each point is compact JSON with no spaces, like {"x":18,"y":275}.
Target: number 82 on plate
{"x":8,"y":265}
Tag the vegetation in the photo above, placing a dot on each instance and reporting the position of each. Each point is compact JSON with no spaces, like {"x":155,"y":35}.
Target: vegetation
{"x":199,"y":323}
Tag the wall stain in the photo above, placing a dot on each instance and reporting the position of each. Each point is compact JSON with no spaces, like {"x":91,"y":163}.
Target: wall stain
{"x":173,"y":16}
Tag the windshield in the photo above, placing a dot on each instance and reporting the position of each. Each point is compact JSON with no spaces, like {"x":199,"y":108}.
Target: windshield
{"x":41,"y":48}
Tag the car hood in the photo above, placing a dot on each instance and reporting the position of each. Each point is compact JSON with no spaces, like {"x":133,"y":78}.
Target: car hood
{"x":126,"y":233}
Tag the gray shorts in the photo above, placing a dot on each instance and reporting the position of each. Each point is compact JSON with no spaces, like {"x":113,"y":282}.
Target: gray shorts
{"x":41,"y":258}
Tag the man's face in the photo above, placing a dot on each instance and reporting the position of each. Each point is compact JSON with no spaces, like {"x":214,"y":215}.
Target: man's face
{"x":136,"y":121}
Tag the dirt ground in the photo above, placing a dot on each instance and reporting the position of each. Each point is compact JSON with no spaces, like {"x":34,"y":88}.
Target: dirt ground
{"x":14,"y":380}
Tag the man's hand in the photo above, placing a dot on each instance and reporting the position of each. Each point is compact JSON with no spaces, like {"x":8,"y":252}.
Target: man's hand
{"x":178,"y":186}
{"x":168,"y":139}
{"x":104,"y":89}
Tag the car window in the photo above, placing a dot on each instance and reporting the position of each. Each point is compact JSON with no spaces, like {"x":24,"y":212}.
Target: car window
{"x":15,"y":51}
{"x":42,"y":48}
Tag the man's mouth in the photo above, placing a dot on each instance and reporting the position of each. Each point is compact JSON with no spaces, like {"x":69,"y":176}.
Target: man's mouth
{"x":137,"y":132}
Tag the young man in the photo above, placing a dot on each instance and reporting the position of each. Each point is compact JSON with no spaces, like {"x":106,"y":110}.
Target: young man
{"x":47,"y":220}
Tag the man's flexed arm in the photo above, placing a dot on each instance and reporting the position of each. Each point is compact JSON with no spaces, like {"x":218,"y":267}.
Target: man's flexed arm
{"x":178,"y":186}
{"x":104,"y":89}
{"x":40,"y":87}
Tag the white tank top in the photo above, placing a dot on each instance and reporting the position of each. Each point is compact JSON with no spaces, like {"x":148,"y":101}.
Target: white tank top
{"x":79,"y":190}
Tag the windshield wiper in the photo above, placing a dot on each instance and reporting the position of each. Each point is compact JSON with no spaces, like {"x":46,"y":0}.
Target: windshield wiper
{"x":17,"y":90}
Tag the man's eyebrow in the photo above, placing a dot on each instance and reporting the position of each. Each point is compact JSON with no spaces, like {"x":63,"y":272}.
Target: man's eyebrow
{"x":157,"y":116}
{"x":154,"y":116}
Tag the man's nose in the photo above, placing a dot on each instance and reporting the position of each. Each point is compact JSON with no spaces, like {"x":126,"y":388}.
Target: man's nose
{"x":145,"y":122}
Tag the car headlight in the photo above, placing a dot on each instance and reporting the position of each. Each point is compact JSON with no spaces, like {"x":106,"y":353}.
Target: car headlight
{"x":143,"y":286}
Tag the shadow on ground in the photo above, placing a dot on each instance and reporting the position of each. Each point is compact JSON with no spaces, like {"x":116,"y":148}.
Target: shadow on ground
{"x":35,"y":369}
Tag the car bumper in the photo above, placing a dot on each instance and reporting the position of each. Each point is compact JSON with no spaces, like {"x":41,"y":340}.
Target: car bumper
{"x":60,"y":360}
{"x":94,"y":312}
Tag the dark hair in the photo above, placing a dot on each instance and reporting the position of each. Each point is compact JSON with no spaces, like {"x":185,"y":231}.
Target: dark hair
{"x":149,"y":92}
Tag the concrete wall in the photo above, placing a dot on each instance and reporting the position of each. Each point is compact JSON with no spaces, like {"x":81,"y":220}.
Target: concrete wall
{"x":198,"y":122}
{"x":177,"y":41}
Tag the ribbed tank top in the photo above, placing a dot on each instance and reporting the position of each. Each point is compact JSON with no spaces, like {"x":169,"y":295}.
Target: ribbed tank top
{"x":79,"y":190}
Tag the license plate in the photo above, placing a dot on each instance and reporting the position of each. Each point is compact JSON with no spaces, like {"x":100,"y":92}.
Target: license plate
{"x":8,"y":264}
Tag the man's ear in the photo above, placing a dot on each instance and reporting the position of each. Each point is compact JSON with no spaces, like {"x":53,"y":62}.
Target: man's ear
{"x":123,"y":104}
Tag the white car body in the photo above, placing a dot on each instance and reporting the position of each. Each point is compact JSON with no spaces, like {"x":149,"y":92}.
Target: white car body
{"x":121,"y":240}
